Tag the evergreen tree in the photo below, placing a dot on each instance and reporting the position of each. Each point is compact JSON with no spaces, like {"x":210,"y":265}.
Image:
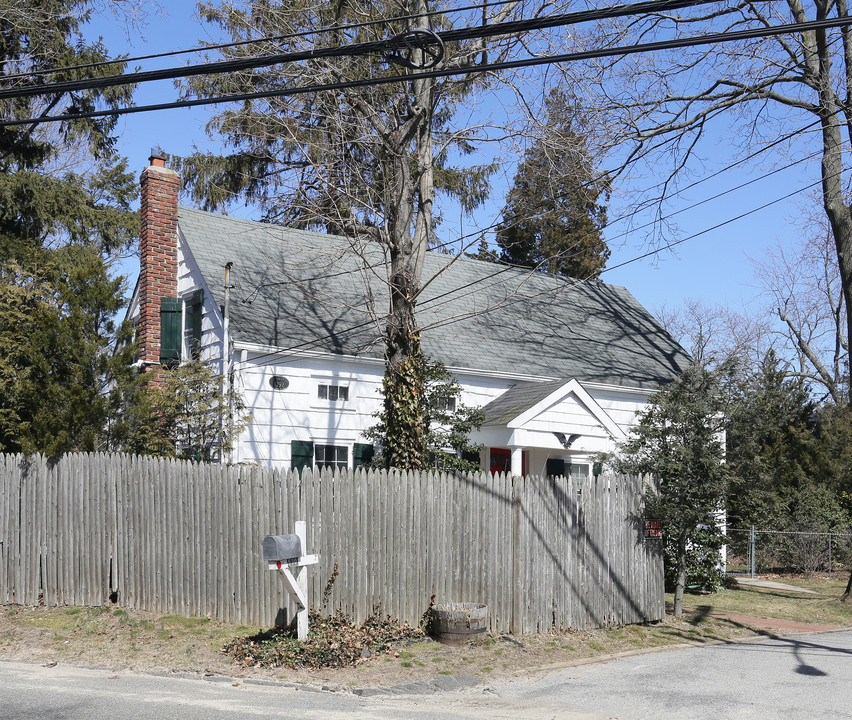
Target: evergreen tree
{"x":789,"y":463}
{"x":771,"y":419}
{"x":553,"y":216}
{"x":64,"y":217}
{"x":832,"y":451}
{"x":187,"y":416}
{"x":677,"y":444}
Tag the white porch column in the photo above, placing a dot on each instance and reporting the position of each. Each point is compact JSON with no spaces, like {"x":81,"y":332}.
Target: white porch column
{"x":517,"y":460}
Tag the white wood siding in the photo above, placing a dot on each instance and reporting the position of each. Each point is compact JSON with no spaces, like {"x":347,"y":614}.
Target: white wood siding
{"x":621,"y":406}
{"x":188,"y":281}
{"x":570,"y":413}
{"x":280,"y":416}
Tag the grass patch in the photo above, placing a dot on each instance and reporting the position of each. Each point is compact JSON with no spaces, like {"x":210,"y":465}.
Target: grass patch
{"x":824,"y":608}
{"x":116,"y":637}
{"x":179,"y":622}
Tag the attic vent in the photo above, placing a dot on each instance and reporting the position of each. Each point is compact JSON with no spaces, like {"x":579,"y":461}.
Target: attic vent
{"x":279,"y":382}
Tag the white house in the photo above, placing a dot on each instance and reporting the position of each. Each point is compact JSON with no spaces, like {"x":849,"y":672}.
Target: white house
{"x":559,"y":366}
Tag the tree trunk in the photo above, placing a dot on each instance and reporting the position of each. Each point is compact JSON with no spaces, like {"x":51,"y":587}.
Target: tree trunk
{"x":848,"y":589}
{"x":680,"y":584}
{"x":404,"y":395}
{"x":838,"y":211}
{"x":410,"y":229}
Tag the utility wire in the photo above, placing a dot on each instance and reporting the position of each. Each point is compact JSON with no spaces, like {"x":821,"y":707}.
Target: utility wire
{"x":479,"y":232}
{"x":514,"y":27}
{"x":529,"y":62}
{"x":713,"y":227}
{"x":255,"y":41}
{"x":507,"y":268}
{"x":510,"y":266}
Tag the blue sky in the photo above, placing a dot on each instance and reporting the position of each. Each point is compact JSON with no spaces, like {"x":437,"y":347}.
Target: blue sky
{"x":712,"y":267}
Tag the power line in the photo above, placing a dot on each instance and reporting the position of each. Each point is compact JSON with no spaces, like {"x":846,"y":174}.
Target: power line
{"x":479,"y":232}
{"x":513,"y":27}
{"x":751,"y":156}
{"x":267,"y":39}
{"x":711,"y":39}
{"x":714,"y":227}
{"x":506,"y":268}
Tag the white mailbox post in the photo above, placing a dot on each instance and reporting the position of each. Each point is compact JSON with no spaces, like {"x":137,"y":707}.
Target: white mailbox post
{"x":285,"y":553}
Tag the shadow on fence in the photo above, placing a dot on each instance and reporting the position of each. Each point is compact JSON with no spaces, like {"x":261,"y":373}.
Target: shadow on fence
{"x":174,"y":536}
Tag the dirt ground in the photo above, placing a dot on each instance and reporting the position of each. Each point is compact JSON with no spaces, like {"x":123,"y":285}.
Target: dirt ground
{"x":119,"y":640}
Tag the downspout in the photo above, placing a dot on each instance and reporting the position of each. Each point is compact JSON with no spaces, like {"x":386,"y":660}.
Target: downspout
{"x":227,"y":362}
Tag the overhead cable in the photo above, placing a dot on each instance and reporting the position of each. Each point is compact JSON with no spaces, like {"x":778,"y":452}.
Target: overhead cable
{"x":711,"y":39}
{"x":390,"y":45}
{"x":253,"y":41}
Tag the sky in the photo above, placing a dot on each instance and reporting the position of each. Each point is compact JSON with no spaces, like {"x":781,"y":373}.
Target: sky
{"x":713,"y":266}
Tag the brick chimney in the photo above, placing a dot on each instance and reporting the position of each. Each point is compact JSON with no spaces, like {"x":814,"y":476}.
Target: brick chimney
{"x":158,"y":250}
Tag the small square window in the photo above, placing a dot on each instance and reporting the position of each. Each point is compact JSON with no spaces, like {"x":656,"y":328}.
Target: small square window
{"x":333,"y":392}
{"x":444,"y":404}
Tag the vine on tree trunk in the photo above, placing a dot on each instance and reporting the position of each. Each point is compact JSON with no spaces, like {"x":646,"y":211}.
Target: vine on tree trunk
{"x":403,"y":388}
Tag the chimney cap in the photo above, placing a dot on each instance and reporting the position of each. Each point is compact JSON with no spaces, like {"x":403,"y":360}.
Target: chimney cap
{"x":158,"y":156}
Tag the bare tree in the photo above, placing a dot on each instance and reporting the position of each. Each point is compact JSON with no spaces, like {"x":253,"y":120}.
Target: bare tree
{"x":806,"y":296}
{"x":715,"y":334}
{"x":791,"y":93}
{"x":803,"y":320}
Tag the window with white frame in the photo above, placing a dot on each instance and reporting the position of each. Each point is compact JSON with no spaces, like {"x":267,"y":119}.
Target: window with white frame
{"x":331,"y":456}
{"x":444,"y":404}
{"x":333,"y":393}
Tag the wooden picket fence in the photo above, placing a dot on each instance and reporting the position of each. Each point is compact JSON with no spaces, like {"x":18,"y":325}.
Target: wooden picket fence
{"x":179,"y":537}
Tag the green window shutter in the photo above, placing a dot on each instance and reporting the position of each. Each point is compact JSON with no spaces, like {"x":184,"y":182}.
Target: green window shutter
{"x":301,"y":454}
{"x":471,"y":456}
{"x":555,"y":467}
{"x":195,"y":311}
{"x":171,"y":310}
{"x":362,"y":454}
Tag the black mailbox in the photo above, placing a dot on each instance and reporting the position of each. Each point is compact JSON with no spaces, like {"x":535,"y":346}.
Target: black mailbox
{"x":281,"y":547}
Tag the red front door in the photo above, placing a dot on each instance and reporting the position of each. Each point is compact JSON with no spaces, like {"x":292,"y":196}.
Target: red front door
{"x":501,"y":460}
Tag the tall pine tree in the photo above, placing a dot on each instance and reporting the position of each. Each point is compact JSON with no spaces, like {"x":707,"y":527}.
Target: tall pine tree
{"x":554,"y":213}
{"x":64,"y":217}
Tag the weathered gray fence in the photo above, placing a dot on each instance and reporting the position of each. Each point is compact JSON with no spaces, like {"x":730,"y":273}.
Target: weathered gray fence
{"x":172,"y":536}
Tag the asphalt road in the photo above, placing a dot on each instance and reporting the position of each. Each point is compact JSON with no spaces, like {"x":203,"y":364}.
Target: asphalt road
{"x":801,"y":677}
{"x":795,"y":678}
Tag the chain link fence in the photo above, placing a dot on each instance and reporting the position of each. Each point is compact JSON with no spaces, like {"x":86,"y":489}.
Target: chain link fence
{"x":757,"y":552}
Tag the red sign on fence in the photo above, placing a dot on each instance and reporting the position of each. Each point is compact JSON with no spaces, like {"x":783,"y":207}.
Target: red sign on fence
{"x":653,"y":529}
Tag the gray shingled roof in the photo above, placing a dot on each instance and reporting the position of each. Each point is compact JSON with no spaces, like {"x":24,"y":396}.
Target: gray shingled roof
{"x":517,"y":400}
{"x":297,"y":289}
